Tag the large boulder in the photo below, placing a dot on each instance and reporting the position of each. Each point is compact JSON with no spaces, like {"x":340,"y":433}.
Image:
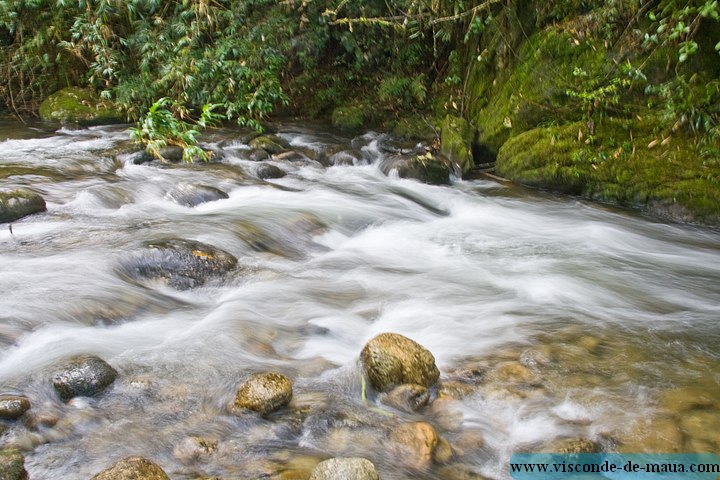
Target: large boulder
{"x":83,"y":376}
{"x":345,"y":469}
{"x":13,"y":406}
{"x":263,"y":393}
{"x":79,"y":105}
{"x":427,"y":168}
{"x":19,"y":203}
{"x":12,"y":465}
{"x":391,"y":359}
{"x":132,"y":468}
{"x":181,"y":263}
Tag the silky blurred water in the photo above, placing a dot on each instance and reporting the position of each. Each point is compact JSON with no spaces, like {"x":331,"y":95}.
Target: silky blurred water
{"x":477,"y":272}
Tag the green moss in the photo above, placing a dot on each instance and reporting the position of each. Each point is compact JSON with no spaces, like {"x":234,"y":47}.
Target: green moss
{"x":79,"y":105}
{"x":457,"y":138}
{"x":352,"y":117}
{"x":415,"y":127}
{"x":632,"y":163}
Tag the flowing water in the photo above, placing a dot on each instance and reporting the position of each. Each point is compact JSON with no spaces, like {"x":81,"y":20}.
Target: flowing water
{"x":554,"y":318}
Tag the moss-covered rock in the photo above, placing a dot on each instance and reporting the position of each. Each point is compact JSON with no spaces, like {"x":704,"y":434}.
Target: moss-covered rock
{"x":19,"y":203}
{"x":391,"y":359}
{"x":456,"y":138}
{"x":79,"y":105}
{"x":132,"y":468}
{"x":414,"y":127}
{"x":263,"y":393}
{"x":271,"y":144}
{"x":12,"y":465}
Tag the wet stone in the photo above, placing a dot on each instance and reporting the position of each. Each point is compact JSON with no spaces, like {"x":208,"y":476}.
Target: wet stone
{"x":263,"y":393}
{"x":258,"y":155}
{"x":267,"y":171}
{"x":183,"y":264}
{"x":194,"y":195}
{"x":132,"y":468}
{"x":415,"y":444}
{"x":12,"y":465}
{"x":573,"y":445}
{"x":85,"y":375}
{"x":350,"y":468}
{"x":655,"y":435}
{"x":13,"y":406}
{"x":407,"y":398}
{"x":391,"y":359}
{"x":20,"y":203}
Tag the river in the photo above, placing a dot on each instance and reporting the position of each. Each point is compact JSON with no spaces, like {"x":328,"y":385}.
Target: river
{"x":558,"y":319}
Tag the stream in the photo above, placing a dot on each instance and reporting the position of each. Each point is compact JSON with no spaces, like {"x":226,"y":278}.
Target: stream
{"x":551,"y":319}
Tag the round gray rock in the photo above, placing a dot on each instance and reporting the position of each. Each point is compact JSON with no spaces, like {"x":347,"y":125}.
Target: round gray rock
{"x":13,"y":406}
{"x":267,"y":171}
{"x":264,"y":393}
{"x":83,"y":376}
{"x":19,"y":203}
{"x":132,"y":468}
{"x":12,"y":465}
{"x":345,"y":469}
{"x":392,"y":359}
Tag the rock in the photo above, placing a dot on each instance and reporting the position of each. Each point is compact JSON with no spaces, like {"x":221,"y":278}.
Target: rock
{"x":267,"y":171}
{"x":655,"y":435}
{"x":407,"y":398}
{"x":415,"y":444}
{"x":703,"y":426}
{"x":443,"y":452}
{"x":427,"y":168}
{"x":589,"y":343}
{"x":272,"y":144}
{"x":264,"y":393}
{"x":79,"y":105}
{"x":12,"y":406}
{"x":19,"y":203}
{"x":344,"y":158}
{"x":258,"y":155}
{"x":513,"y":372}
{"x":194,"y":448}
{"x":468,"y":441}
{"x":132,"y":468}
{"x":345,"y":469}
{"x":447,"y":413}
{"x":680,"y":400}
{"x":85,"y":375}
{"x":392,"y":359}
{"x":12,"y":465}
{"x":573,"y":445}
{"x":181,"y":263}
{"x":193,"y":195}
{"x":456,"y":138}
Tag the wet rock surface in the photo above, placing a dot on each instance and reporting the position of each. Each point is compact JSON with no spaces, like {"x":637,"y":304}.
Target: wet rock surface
{"x":85,"y":375}
{"x":17,"y":204}
{"x":12,"y":465}
{"x":267,"y":171}
{"x":263,"y":393}
{"x":13,"y":406}
{"x":392,"y":359}
{"x":194,"y":195}
{"x":181,"y":263}
{"x":345,"y":469}
{"x":407,"y":398}
{"x":132,"y":468}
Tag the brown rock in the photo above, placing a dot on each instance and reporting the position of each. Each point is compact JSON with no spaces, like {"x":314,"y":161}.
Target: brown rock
{"x":132,"y":468}
{"x":392,"y":359}
{"x":415,"y":443}
{"x":13,"y":406}
{"x":264,"y":393}
{"x":407,"y":398}
{"x":656,"y":435}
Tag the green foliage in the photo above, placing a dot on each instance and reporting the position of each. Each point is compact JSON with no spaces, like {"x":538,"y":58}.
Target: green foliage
{"x":403,"y":93}
{"x":160,"y":128}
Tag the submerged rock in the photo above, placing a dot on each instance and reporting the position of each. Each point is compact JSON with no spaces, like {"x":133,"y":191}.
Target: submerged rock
{"x":263,"y":393}
{"x":573,"y":445}
{"x":391,"y":359}
{"x":182,"y":263}
{"x":194,"y":195}
{"x":407,"y":398}
{"x":345,"y":469}
{"x":19,"y":203}
{"x":13,"y":406}
{"x":415,"y":444}
{"x":85,"y":375}
{"x":132,"y":468}
{"x":12,"y":465}
{"x":79,"y":105}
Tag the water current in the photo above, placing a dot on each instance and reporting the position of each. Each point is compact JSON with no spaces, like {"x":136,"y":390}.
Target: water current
{"x":551,"y":319}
